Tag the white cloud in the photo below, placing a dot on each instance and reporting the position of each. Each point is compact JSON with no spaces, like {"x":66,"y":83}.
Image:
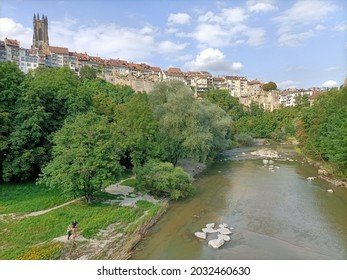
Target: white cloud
{"x":226,"y":16}
{"x":212,"y":35}
{"x":303,"y":14}
{"x":332,"y":68}
{"x":287,"y":84}
{"x":179,"y":19}
{"x":341,"y":27}
{"x":330,"y":84}
{"x":294,"y":39}
{"x":228,"y":27}
{"x":319,"y":27}
{"x":263,"y":6}
{"x":13,"y":30}
{"x":213,"y":60}
{"x":169,"y":47}
{"x":236,"y":66}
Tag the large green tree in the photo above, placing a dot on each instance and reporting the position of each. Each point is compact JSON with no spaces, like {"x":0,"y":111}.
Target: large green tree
{"x":11,"y":79}
{"x":188,"y":127}
{"x":50,"y":95}
{"x":136,"y":131}
{"x":85,"y":157}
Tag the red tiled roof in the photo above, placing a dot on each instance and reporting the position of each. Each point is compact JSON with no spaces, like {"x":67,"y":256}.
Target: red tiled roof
{"x":59,"y":50}
{"x":80,"y":56}
{"x":12,"y":42}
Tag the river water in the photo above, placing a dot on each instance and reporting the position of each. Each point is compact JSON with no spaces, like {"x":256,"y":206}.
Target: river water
{"x":276,"y":214}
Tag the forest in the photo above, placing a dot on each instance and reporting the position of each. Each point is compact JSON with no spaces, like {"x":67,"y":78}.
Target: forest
{"x":80,"y":133}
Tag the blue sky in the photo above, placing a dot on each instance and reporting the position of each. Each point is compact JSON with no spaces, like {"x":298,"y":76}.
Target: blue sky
{"x":295,"y":43}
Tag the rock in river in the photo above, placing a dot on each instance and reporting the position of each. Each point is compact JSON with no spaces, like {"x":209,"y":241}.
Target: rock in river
{"x":200,"y":234}
{"x":209,"y":230}
{"x":224,"y":237}
{"x":224,"y":231}
{"x":216,"y":243}
{"x":211,"y":225}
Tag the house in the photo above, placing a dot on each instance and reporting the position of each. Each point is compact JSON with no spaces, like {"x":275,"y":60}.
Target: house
{"x":237,"y":85}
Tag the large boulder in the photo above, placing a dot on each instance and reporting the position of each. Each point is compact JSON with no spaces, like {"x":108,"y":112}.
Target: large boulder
{"x":200,"y":234}
{"x":211,"y":225}
{"x":216,"y":243}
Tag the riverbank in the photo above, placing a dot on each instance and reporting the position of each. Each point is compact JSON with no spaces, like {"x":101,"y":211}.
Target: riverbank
{"x":325,"y":170}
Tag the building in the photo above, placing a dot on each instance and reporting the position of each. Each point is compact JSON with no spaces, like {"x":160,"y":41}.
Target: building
{"x":237,"y":86}
{"x":40,"y":36}
{"x":12,"y":50}
{"x":57,"y":57}
{"x":288,"y":97}
{"x":254,"y":88}
{"x":28,"y":60}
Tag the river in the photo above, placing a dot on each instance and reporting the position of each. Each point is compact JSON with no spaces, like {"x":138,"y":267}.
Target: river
{"x":276,"y":214}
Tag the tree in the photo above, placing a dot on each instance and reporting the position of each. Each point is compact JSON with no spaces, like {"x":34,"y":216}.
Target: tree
{"x":87,"y":73}
{"x":11,"y":79}
{"x":164,"y":180}
{"x":269,"y":86}
{"x":136,"y":130}
{"x":188,"y":127}
{"x":50,"y":95}
{"x":85,"y":157}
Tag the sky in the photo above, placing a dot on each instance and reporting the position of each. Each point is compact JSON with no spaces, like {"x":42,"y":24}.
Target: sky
{"x":295,"y":43}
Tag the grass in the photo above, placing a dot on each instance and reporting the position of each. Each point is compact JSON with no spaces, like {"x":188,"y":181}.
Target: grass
{"x":30,"y":238}
{"x":28,"y":197}
{"x":132,"y":182}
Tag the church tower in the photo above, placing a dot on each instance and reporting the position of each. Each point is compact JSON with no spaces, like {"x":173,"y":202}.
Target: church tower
{"x":40,"y":37}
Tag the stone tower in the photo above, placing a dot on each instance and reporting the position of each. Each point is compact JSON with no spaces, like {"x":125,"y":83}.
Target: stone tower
{"x":40,"y":37}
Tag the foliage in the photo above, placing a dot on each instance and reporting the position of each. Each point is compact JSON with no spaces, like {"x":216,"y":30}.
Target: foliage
{"x":244,"y":139}
{"x":269,"y":86}
{"x":136,"y":130}
{"x":228,"y":103}
{"x":164,"y":180}
{"x":49,"y":96}
{"x":87,"y":73}
{"x":322,"y":130}
{"x":11,"y":79}
{"x":85,"y":157}
{"x":188,"y":127}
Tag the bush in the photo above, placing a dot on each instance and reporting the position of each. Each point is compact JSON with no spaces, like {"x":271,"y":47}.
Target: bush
{"x":164,"y":180}
{"x":244,"y":139}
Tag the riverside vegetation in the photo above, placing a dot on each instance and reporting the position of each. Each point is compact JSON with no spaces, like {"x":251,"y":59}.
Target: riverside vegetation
{"x":76,"y":135}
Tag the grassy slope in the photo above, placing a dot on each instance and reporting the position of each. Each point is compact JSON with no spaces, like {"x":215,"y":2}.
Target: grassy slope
{"x":19,"y":236}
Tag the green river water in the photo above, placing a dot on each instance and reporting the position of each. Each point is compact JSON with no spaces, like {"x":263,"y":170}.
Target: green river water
{"x":276,"y":214}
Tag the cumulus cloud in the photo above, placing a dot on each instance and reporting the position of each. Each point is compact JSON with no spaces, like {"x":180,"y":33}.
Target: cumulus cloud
{"x":13,"y":30}
{"x":213,"y":60}
{"x":261,"y":6}
{"x":179,"y":19}
{"x":227,"y":27}
{"x":330,"y":84}
{"x":299,"y":22}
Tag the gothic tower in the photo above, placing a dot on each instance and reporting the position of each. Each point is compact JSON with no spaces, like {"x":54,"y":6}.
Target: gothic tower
{"x":40,"y":37}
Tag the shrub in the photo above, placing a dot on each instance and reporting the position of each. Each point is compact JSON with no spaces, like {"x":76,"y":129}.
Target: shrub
{"x":164,"y":180}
